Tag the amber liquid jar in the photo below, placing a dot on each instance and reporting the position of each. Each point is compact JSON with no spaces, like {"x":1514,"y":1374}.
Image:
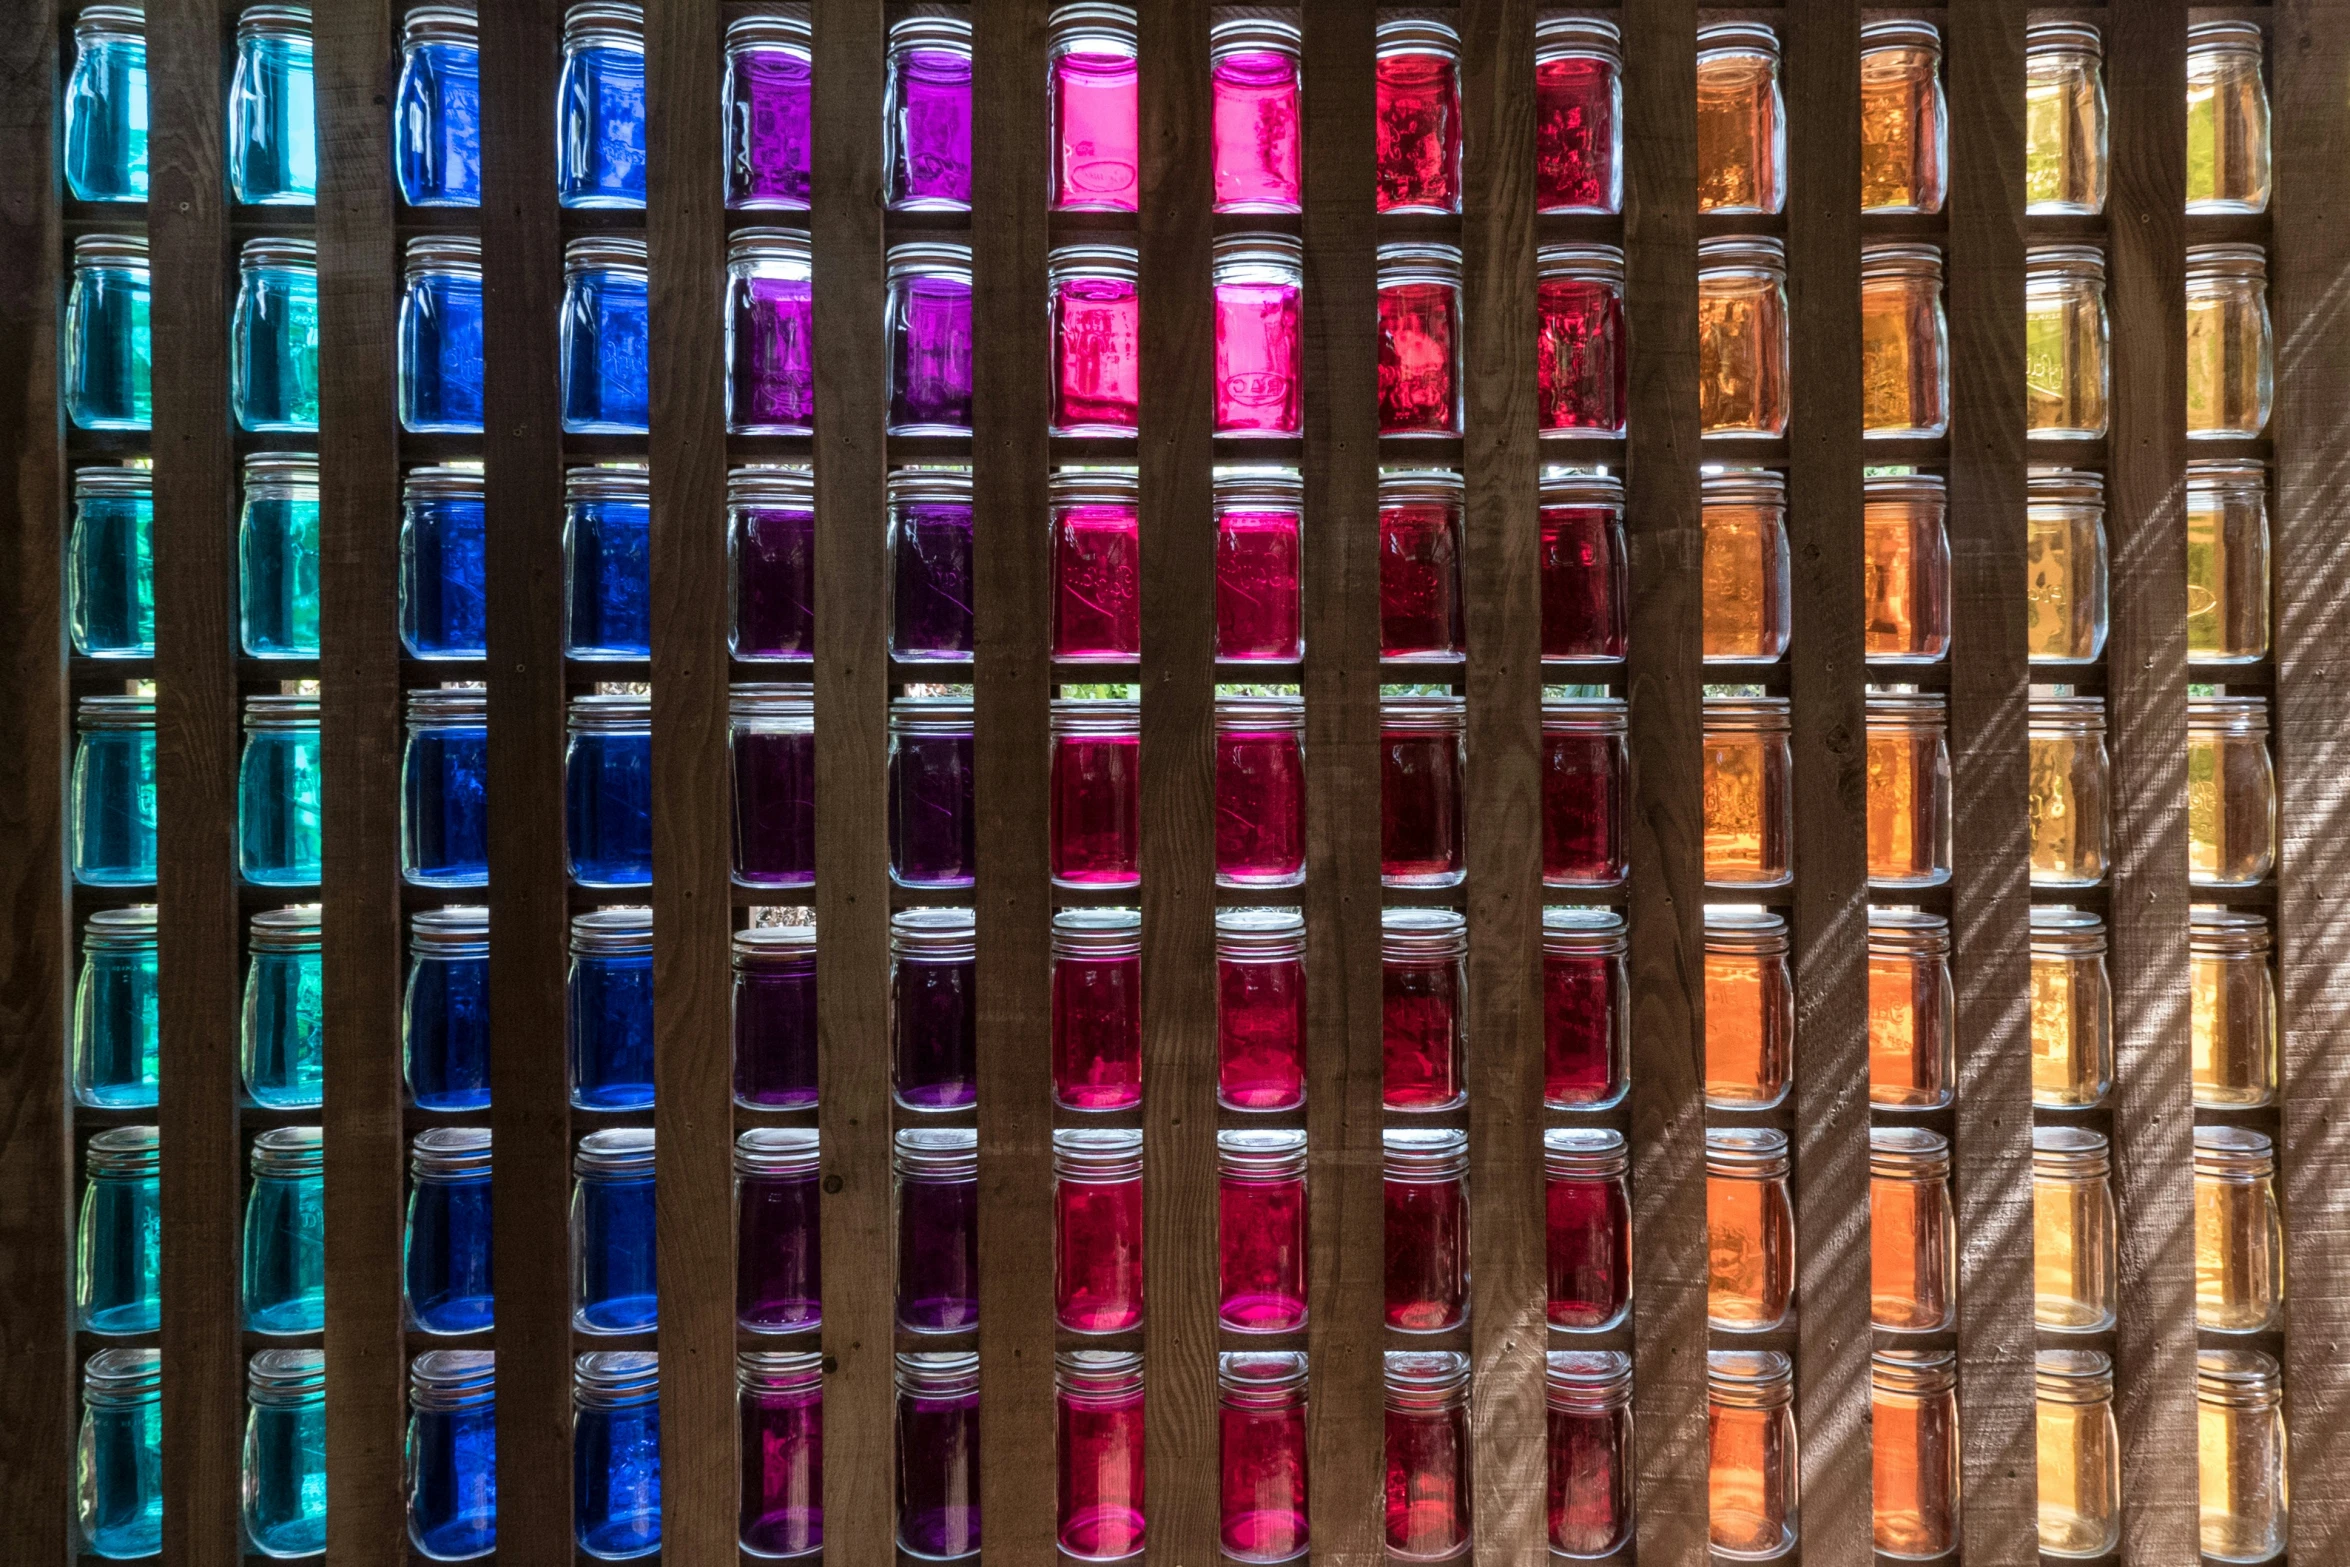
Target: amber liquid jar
{"x":2239,"y":1234}
{"x":1751,"y":1470}
{"x":1913,"y":1437}
{"x":1904,"y":342}
{"x":2231,"y":792}
{"x":2080,"y":1466}
{"x":1749,"y":1008}
{"x":1741,"y":120}
{"x":1749,"y":801}
{"x":1913,"y":1232}
{"x":2065,"y":559}
{"x":2072,"y":1009}
{"x":2064,"y":120}
{"x":2227,"y":561}
{"x":1911,"y":1005}
{"x":1750,"y":1229}
{"x":1742,"y":365}
{"x":2231,"y":346}
{"x":2067,"y":342}
{"x":1745,"y":602}
{"x":1908,"y":788}
{"x":2070,"y":790}
{"x":2231,"y":1007}
{"x":2240,"y":1451}
{"x":1906,"y":533}
{"x":2072,"y":1230}
{"x":1904,"y":125}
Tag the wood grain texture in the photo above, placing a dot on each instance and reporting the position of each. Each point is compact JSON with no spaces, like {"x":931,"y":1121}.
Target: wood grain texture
{"x":2146,"y":664}
{"x":1664,"y":675}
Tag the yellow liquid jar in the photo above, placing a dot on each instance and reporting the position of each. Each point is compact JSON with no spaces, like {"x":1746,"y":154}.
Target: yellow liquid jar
{"x":2231,"y":792}
{"x":2067,"y":342}
{"x":1741,"y":120}
{"x":2071,"y":1008}
{"x":2239,"y":1234}
{"x":1904,"y":124}
{"x":2240,"y":1453}
{"x":2072,"y":1230}
{"x":1908,"y":788}
{"x":2231,"y":346}
{"x":1751,"y":1463}
{"x":1749,"y":793}
{"x":2080,"y":1453}
{"x":1904,"y":342}
{"x":2227,"y":561}
{"x":1913,"y":1443}
{"x":1742,"y":366}
{"x":1750,"y":1229}
{"x":2227,"y":119}
{"x":1749,"y":1008}
{"x":2231,"y":1007}
{"x":2068,"y":569}
{"x":2064,"y":120}
{"x":2070,"y":788}
{"x":1913,"y":1232}
{"x":1904,"y":528}
{"x":1745,"y":600}
{"x":1910,"y":1009}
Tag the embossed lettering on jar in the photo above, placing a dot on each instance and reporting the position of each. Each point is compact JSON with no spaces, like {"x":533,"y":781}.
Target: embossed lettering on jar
{"x":2231,"y":792}
{"x":1750,"y":1229}
{"x":926,"y":115}
{"x":1904,"y":342}
{"x":1420,"y":339}
{"x":1097,"y":564}
{"x":1742,"y":352}
{"x":769,"y":108}
{"x":1911,"y":1005}
{"x":1420,"y":601}
{"x":1259,"y":282}
{"x":1751,"y":1473}
{"x":770,"y":333}
{"x":1097,"y":339}
{"x":1096,"y":108}
{"x":1741,"y":120}
{"x":2064,"y":119}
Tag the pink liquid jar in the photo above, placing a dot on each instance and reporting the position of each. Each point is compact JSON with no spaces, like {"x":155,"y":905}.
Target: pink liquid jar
{"x":1260,"y":1009}
{"x":1427,"y":1255}
{"x":1585,"y":567}
{"x":1586,"y":776}
{"x":1260,"y":515}
{"x":1419,"y":339}
{"x":780,"y":1404}
{"x":1421,"y":758}
{"x":1587,"y":1227}
{"x":1097,"y":339}
{"x":1579,"y":363}
{"x":1097,"y":1009}
{"x":1423,"y":981}
{"x":1097,"y":1230}
{"x":1578,"y":115}
{"x":1420,"y":565}
{"x":1586,"y":1008}
{"x":1428,"y":1490}
{"x":1096,"y":793}
{"x":1097,"y":1403}
{"x":1260,"y":791}
{"x":1097,"y":160}
{"x":1418,"y":116}
{"x":1261,"y":1231}
{"x":1260,"y":282}
{"x":1097,"y":564}
{"x":1592,"y":1476}
{"x":1261,"y":1455}
{"x":1253,"y":115}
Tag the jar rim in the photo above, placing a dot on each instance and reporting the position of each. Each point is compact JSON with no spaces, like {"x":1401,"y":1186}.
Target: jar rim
{"x":1262,"y":248}
{"x":2215,"y":930}
{"x":1742,"y":252}
{"x":1744,"y":928}
{"x":1417,"y":34}
{"x":2211,"y":472}
{"x":132,"y":925}
{"x":1905,"y":32}
{"x":1093,"y":257}
{"x":1097,"y":1373}
{"x":615,"y":1150}
{"x":2233,"y":1151}
{"x":936,"y":1373}
{"x":1749,"y":1378}
{"x":1741,"y":486}
{"x":1097,"y":1154}
{"x":1748,"y":714}
{"x":2072,"y":1376}
{"x":1262,"y":934}
{"x":1254,"y":1154}
{"x":1261,"y":1377}
{"x":2226,"y":261}
{"x":2241,"y":1377}
{"x":1918,"y":488}
{"x":1559,"y":37}
{"x":450,"y":925}
{"x":2246,"y":715}
{"x":619,"y":481}
{"x":756,"y":942}
{"x":935,"y":931}
{"x":1900,"y":258}
{"x":1424,"y":713}
{"x":443,"y":707}
{"x":1274,"y":487}
{"x":447,"y":1378}
{"x":607,"y":1378}
{"x":115,"y":712}
{"x":1421,"y":487}
{"x":1096,"y":933}
{"x":1236,"y":34}
{"x":1908,"y":1152}
{"x":1406,"y":932}
{"x":930,"y":32}
{"x":1236,"y":713}
{"x":446,"y":1151}
{"x":98,"y":249}
{"x":1577,"y":927}
{"x":1093,"y":715}
{"x":768,"y":243}
{"x":1585,"y":714}
{"x":1431,"y":1153}
{"x":2061,"y":486}
{"x":1906,"y":707}
{"x":1419,"y":255}
{"x":948,"y":482}
{"x":2062,"y":926}
{"x":122,"y":1376}
{"x":605,"y":253}
{"x":604,"y":21}
{"x":935,"y":1153}
{"x":1424,"y":1378}
{"x":285,"y":1376}
{"x":1580,"y":487}
{"x":778,"y":1150}
{"x":278,"y":250}
{"x":2061,"y":37}
{"x":281,"y":710}
{"x":1725,"y":37}
{"x":771,"y":28}
{"x":1913,"y":1371}
{"x":779,"y":484}
{"x":609,"y":713}
{"x":123,"y":1150}
{"x":1092,"y":486}
{"x":2223,"y":35}
{"x":928,"y":256}
{"x":1749,"y":1151}
{"x":289,"y":470}
{"x":1584,"y":1152}
{"x":113,"y":480}
{"x":94,"y":20}
{"x":2069,"y":260}
{"x":778,"y":1370}
{"x":1597,"y":263}
{"x":454,"y":253}
{"x":296,"y":925}
{"x":2069,"y":1152}
{"x":2083,"y":714}
{"x":1586,"y":1381}
{"x":612,"y":930}
{"x":441,"y":480}
{"x":1899,"y":929}
{"x":785,"y":700}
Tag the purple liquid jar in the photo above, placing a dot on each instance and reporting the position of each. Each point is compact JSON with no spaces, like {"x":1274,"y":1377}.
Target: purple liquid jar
{"x":769,"y":102}
{"x":932,"y":827}
{"x":937,"y":1489}
{"x":779,"y":1274}
{"x":770,"y":327}
{"x":781,"y":1398}
{"x":773,"y":750}
{"x":934,"y":1008}
{"x":771,"y":546}
{"x":938,"y":1229}
{"x":927,"y":115}
{"x":775,"y":1017}
{"x":930,"y":565}
{"x":929,"y":324}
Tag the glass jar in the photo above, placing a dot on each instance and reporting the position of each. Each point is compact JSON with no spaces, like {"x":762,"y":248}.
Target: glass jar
{"x":1260,"y":525}
{"x":615,"y":1278}
{"x":282,"y":1052}
{"x":2227,"y":119}
{"x":109,"y":380}
{"x":1253,"y":122}
{"x":1750,"y":1230}
{"x":273,"y":123}
{"x":118,"y":1459}
{"x":1746,"y":598}
{"x":1416,"y":148}
{"x":1261,"y":1232}
{"x":1096,"y":564}
{"x":607,"y":561}
{"x":1096,"y":310}
{"x":1424,"y":981}
{"x":1913,"y":1435}
{"x":616,"y":1454}
{"x":1095,"y":818}
{"x":2065,"y":556}
{"x":1906,"y":612}
{"x":117,"y":1011}
{"x":106,"y":112}
{"x":1097,"y":1230}
{"x":1580,"y":365}
{"x":929,"y":325}
{"x":118,"y":1244}
{"x":775,"y":1047}
{"x":2239,"y":1234}
{"x":273,"y":337}
{"x":1425,"y":1176}
{"x":779,"y":1226}
{"x":606,"y":357}
{"x":2231,"y":347}
{"x":1420,"y":600}
{"x":771,"y":559}
{"x":1420,"y":339}
{"x":933,"y":1008}
{"x":771,"y":748}
{"x":445,"y":1008}
{"x":2064,"y":120}
{"x":600,"y":106}
{"x":610,"y":1009}
{"x":282,"y":1487}
{"x":110,"y":563}
{"x":277,"y":556}
{"x":1586,"y":777}
{"x":444,"y":564}
{"x":770,"y":332}
{"x":114,"y":792}
{"x":2080,"y":1478}
{"x":2227,"y":561}
{"x":1095,"y":103}
{"x":1752,"y":1470}
{"x":446,"y":1269}
{"x":1578,"y":115}
{"x":1259,"y":282}
{"x":1742,"y":354}
{"x":1260,"y":791}
{"x":1904,"y":122}
{"x":1429,"y":1486}
{"x":1097,"y":1009}
{"x":1587,"y":1227}
{"x":1749,"y":1007}
{"x":936,"y":1475}
{"x":1911,"y":1009}
{"x":1741,"y":120}
{"x":769,"y":110}
{"x":2067,"y":342}
{"x":2073,"y":1245}
{"x":608,"y":791}
{"x":1904,"y":338}
{"x":2071,"y":786}
{"x":2072,"y":1009}
{"x":926,"y":131}
{"x":1586,"y":1008}
{"x":780,"y":1395}
{"x":2231,"y":1007}
{"x":1913,"y":1234}
{"x":1593,"y":1489}
{"x":1097,"y":1406}
{"x":1260,"y":1009}
{"x":436,"y":124}
{"x":1261,"y":1455}
{"x":2231,"y":792}
{"x":1749,"y":793}
{"x":2240,"y":1442}
{"x":279,"y":841}
{"x":1422,"y":754}
{"x":1908,"y":788}
{"x":452,"y":1454}
{"x":1585,"y":565}
{"x":444,"y":790}
{"x":937,"y":1173}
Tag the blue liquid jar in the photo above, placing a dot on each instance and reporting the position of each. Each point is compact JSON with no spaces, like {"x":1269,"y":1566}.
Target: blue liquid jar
{"x":445,"y":1009}
{"x":441,"y":362}
{"x":114,"y":792}
{"x":109,"y":346}
{"x":611,"y":1009}
{"x":278,"y":840}
{"x":110,"y":563}
{"x":272,"y":109}
{"x":614,"y":1289}
{"x":452,"y":1465}
{"x":616,"y":1454}
{"x":769,"y":107}
{"x":283,"y":1046}
{"x":284,"y":1481}
{"x":775,"y":1017}
{"x":937,"y":1469}
{"x":443,"y":564}
{"x":277,"y":555}
{"x":436,"y":128}
{"x":445,"y":1273}
{"x":285,"y":1232}
{"x":607,"y":565}
{"x":444,"y":790}
{"x":117,"y":1017}
{"x":930,"y":565}
{"x":118,"y":1251}
{"x":600,"y":107}
{"x":608,"y":791}
{"x":106,"y":105}
{"x":273,"y":337}
{"x":118,"y":1489}
{"x":607,"y":375}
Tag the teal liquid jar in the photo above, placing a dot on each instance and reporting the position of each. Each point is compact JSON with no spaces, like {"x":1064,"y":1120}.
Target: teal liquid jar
{"x":114,"y":792}
{"x":283,"y":1489}
{"x":278,"y":842}
{"x":106,"y":105}
{"x":110,"y":563}
{"x":116,"y":1017}
{"x":277,"y":556}
{"x":273,"y":337}
{"x":118,"y":1251}
{"x":272,"y":109}
{"x":109,"y":380}
{"x":118,"y":1479}
{"x":282,"y":1048}
{"x":285,"y":1232}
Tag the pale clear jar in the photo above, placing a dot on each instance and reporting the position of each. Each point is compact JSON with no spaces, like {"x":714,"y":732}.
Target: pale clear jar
{"x":1746,"y":597}
{"x":2239,"y":1234}
{"x":2080,"y":1467}
{"x":1751,"y":1459}
{"x":2227,"y":561}
{"x":2073,"y":1225}
{"x":2231,"y":345}
{"x":2066,"y":566}
{"x":1904,"y":342}
{"x":2070,"y":788}
{"x":2231,"y":792}
{"x":1913,"y":1439}
{"x":1912,"y":1007}
{"x":1905,"y":615}
{"x":1913,"y":1232}
{"x":2064,"y":120}
{"x":1749,"y":793}
{"x":1904,"y":122}
{"x":1742,"y":363}
{"x":2071,"y":1009}
{"x":2240,"y":1451}
{"x":1741,"y":120}
{"x":2067,"y":342}
{"x":1908,"y":801}
{"x":2231,"y":1007}
{"x":2227,"y":119}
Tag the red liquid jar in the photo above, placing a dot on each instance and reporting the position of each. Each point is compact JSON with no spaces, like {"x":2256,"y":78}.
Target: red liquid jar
{"x":1586,"y":1008}
{"x":1419,"y":339}
{"x":1260,"y":284}
{"x":1260,"y":791}
{"x":1097,"y":564}
{"x":1579,"y":370}
{"x":1261,"y":1455}
{"x":1427,"y":1500}
{"x":1097,"y":1401}
{"x":1423,"y":1008}
{"x":1417,"y":80}
{"x":1586,"y":774}
{"x":1421,"y":756}
{"x":1096,"y":103}
{"x":1427,"y":1257}
{"x":1097,"y":1230}
{"x":1587,"y":1227}
{"x":1420,"y":565}
{"x":1097,"y":1009}
{"x":1260,"y":1009}
{"x":1585,"y":567}
{"x":1578,"y":115}
{"x":1259,"y":561}
{"x":1261,"y":1231}
{"x":1096,"y":793}
{"x":1097,"y":339}
{"x":1592,"y":1490}
{"x":1253,"y":115}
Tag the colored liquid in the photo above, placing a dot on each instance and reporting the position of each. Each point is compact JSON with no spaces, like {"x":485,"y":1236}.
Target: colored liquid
{"x":1579,"y":355}
{"x":1097,"y":1032}
{"x":1427,"y":1262}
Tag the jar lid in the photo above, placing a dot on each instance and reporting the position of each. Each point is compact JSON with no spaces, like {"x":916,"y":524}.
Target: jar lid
{"x":2203,"y":473}
{"x":1241,"y":714}
{"x":1587,"y":1381}
{"x":1097,"y":933}
{"x":1908,"y":1153}
{"x":608,"y":1378}
{"x":1918,"y":1372}
{"x":605,"y":22}
{"x":1260,"y":1156}
{"x":1094,"y":715}
{"x":1742,"y":253}
{"x":1257,"y":249}
{"x":619,"y":481}
{"x":2215,"y":930}
{"x":1411,"y":260}
{"x":1750,"y":1152}
{"x":1093,"y":20}
{"x":447,"y":1151}
{"x":615,"y":1150}
{"x":1418,"y":35}
{"x":116,"y":712}
{"x":2066,"y":714}
{"x":133,"y":926}
{"x":1572,"y":929}
{"x":931,"y":32}
{"x":2236,"y":1376}
{"x":1421,"y":487}
{"x":459,"y":253}
{"x":1261,"y":1378}
{"x":613,"y":713}
{"x":274,"y":711}
{"x":279,"y":250}
{"x":122,"y":1376}
{"x":1259,"y":489}
{"x":1424,"y":714}
{"x":1084,"y":1374}
{"x":2233,"y":1152}
{"x":96,"y":20}
{"x":1260,"y":933}
{"x":938,"y":1373}
{"x":444,"y":1378}
{"x":2241,"y":715}
{"x":2072,"y":1376}
{"x":438,"y":707}
{"x":1103,"y":1154}
{"x":621,"y":253}
{"x":2065,"y":487}
{"x":2061,"y":929}
{"x":1899,"y":709}
{"x":1247,"y":34}
{"x":931,"y":484}
{"x":1609,"y":715}
{"x":1436,"y":1153}
{"x":759,"y":1371}
{"x":286,"y":1376}
{"x":769,"y":244}
{"x":1093,"y":260}
{"x":935,"y":934}
{"x":1094,"y":487}
{"x":2068,"y":1152}
{"x":772,"y":484}
{"x":2063,"y":38}
{"x":122,"y":250}
{"x":778,"y":1150}
{"x":789,"y":701}
{"x":1900,"y":33}
{"x":1407,"y":933}
{"x":612,"y":932}
{"x":758,"y":945}
{"x":928,"y":258}
{"x":1749,"y":1378}
{"x":1901,"y":258}
{"x":1425,"y":1378}
{"x":456,"y":928}
{"x":110,"y":480}
{"x":296,"y":471}
{"x":1901,"y":930}
{"x":1725,"y":37}
{"x":1594,"y":263}
{"x":2084,"y":261}
{"x":292,"y":928}
{"x":1742,"y":487}
{"x":1559,"y":37}
{"x":1925,"y":489}
{"x":123,"y":1150}
{"x":769,"y":31}
{"x":1584,"y":1153}
{"x":1744,"y":928}
{"x":2223,"y":35}
{"x":1581,"y":487}
{"x":465,"y":483}
{"x":1747,"y":715}
{"x":944,"y":1153}
{"x":2226,"y":261}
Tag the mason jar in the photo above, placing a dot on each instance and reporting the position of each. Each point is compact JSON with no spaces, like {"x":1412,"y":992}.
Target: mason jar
{"x":272,"y":111}
{"x":1904,"y":121}
{"x":283,"y":1489}
{"x":600,"y":106}
{"x":609,"y":1009}
{"x":1908,"y":795}
{"x":1095,"y":301}
{"x":1904,"y":339}
{"x":1750,"y":1230}
{"x":280,"y":834}
{"x":1254,"y":125}
{"x":770,"y":332}
{"x":109,"y":380}
{"x":1260,"y":791}
{"x":106,"y":112}
{"x":936,"y":1175}
{"x":1749,"y":1007}
{"x":1911,"y":1009}
{"x":1587,"y":1227}
{"x":277,"y":556}
{"x":118,"y":1457}
{"x":1746,"y":597}
{"x":1913,"y":1233}
{"x":118,"y":1239}
{"x":2231,"y":347}
{"x":2231,"y":1007}
{"x":1260,"y":1009}
{"x":447,"y":1278}
{"x":935,"y":1475}
{"x":606,"y":358}
{"x":1593,"y":1491}
{"x":1423,"y":755}
{"x":771,"y":556}
{"x":2071,"y":787}
{"x":1578,"y":114}
{"x":445,"y":1008}
{"x":442,"y":363}
{"x":615,"y":1286}
{"x":1416,"y":115}
{"x":444,"y":564}
{"x":1421,"y":339}
{"x":114,"y":791}
{"x":2239,"y":1234}
{"x":284,"y":1272}
{"x":2067,"y":342}
{"x":1429,"y":1487}
{"x":779,"y":1253}
{"x":2231,"y":792}
{"x":452,"y":1445}
{"x":1095,"y":518}
{"x":1261,"y":1455}
{"x":2227,"y":561}
{"x":1093,"y":99}
{"x":769,"y":110}
{"x":608,"y":791}
{"x":1586,"y":567}
{"x":2064,"y":120}
{"x":1424,"y":1174}
{"x":926,"y":115}
{"x":1422,"y":615}
{"x":2227,"y":119}
{"x":273,"y":337}
{"x":1906,"y":592}
{"x":282,"y":1037}
{"x":1586,"y":762}
{"x":1097,"y":1229}
{"x":1580,"y":355}
{"x":774,"y":1031}
{"x":1914,"y":1442}
{"x":616,"y":1454}
{"x":436,"y":124}
{"x":933,"y":820}
{"x":1749,"y":793}
{"x":1259,"y":282}
{"x":2240,"y":1444}
{"x":1260,"y":564}
{"x":1742,"y":354}
{"x":2066,"y":566}
{"x":444,"y":790}
{"x":1752,"y":1472}
{"x":117,"y":1011}
{"x":2073,"y":1241}
{"x":771,"y":751}
{"x":2079,"y":1457}
{"x":1741,"y":120}
{"x":110,"y":563}
{"x":2071,"y":1009}
{"x":928,"y":327}
{"x":780,"y":1400}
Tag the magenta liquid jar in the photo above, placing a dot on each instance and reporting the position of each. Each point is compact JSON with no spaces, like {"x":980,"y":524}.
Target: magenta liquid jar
{"x":926,"y":115}
{"x":1423,"y":982}
{"x":1421,"y":757}
{"x":1097,"y":564}
{"x":1260,"y":283}
{"x":1253,"y":123}
{"x":1260,"y":791}
{"x":1096,"y":108}
{"x":1586,"y":778}
{"x":1097,"y":1230}
{"x":772,"y":748}
{"x":1261,"y":1231}
{"x":1579,"y":362}
{"x":1578,"y":115}
{"x":1260,"y":1009}
{"x":932,"y":830}
{"x":1420,"y":616}
{"x":775,"y":1017}
{"x":1261,"y":1455}
{"x":1586,"y":567}
{"x":770,"y":333}
{"x":1587,"y":1227}
{"x":1588,"y":1394}
{"x":1428,"y":1489}
{"x":937,"y":1174}
{"x":1096,"y":795}
{"x":937,"y":1470}
{"x":1586,"y":1008}
{"x":1420,"y":339}
{"x":1417,"y":79}
{"x":934,"y":1008}
{"x":1260,"y":516}
{"x":1426,"y":1175}
{"x":1097,"y":339}
{"x":780,"y":1396}
{"x":1097,"y":1406}
{"x":769,"y":109}
{"x":930,"y":584}
{"x":771,"y":548}
{"x":1097,"y":1009}
{"x":929,"y":327}
{"x":778,"y":1278}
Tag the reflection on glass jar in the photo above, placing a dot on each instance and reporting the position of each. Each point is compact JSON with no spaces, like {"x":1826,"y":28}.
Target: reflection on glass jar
{"x":2227,"y":119}
{"x":1749,"y":1007}
{"x":771,"y":752}
{"x":2065,"y":557}
{"x":1593,"y":1491}
{"x":1586,"y":1008}
{"x":2227,"y":561}
{"x":281,"y":1034}
{"x":2239,"y":1234}
{"x":283,"y":1484}
{"x":118,"y":1235}
{"x":1586,"y":777}
{"x":1096,"y":1026}
{"x":775,"y":1017}
{"x":1422,"y":793}
{"x":1096,"y":311}
{"x":272,"y":111}
{"x":1904,"y":341}
{"x":1579,"y":356}
{"x":606,"y":351}
{"x":616,"y":1454}
{"x":444,"y":564}
{"x":1578,"y":114}
{"x":1261,"y":1226}
{"x":1260,"y":791}
{"x":607,"y":561}
{"x":1428,"y":1489}
{"x":2073,"y":1244}
{"x":933,"y":827}
{"x":1095,"y":99}
{"x":610,"y":1009}
{"x":771,"y":553}
{"x":441,"y":359}
{"x":1424,"y":1175}
{"x":2231,"y":346}
{"x":1904,"y":124}
{"x":1259,"y":282}
{"x":2064,"y":119}
{"x":2231,"y":792}
{"x":1587,"y":1227}
{"x":1751,"y":1468}
{"x":1913,"y":1440}
{"x":2240,"y":1451}
{"x":2067,"y":341}
{"x":1746,"y":600}
{"x":118,"y":1469}
{"x":1749,"y":793}
{"x":1260,"y":1009}
{"x":1420,"y":339}
{"x":936,"y":1475}
{"x":280,"y":834}
{"x":273,"y":337}
{"x":600,"y":106}
{"x":277,"y":556}
{"x":118,"y":1010}
{"x":1261,"y":1455}
{"x":436,"y":124}
{"x":2080,"y":1466}
{"x":1098,"y":1419}
{"x":2232,"y":1006}
{"x":1095,"y":794}
{"x":2072,"y":1009}
{"x":1420,"y":548}
{"x":1260,"y":527}
{"x":1749,"y":1230}
{"x":1423,"y":1007}
{"x":106,"y":114}
{"x":780,"y":1401}
{"x":109,"y":377}
{"x":2070,"y":787}
{"x":1586,"y":575}
{"x":1253,"y":84}
{"x":1911,"y":1006}
{"x":1742,"y":363}
{"x":1906,"y":592}
{"x":933,"y":1008}
{"x":608,"y":791}
{"x":1417,"y":149}
{"x":937,"y":1176}
{"x":769,"y":110}
{"x":1913,"y":1233}
{"x":1097,"y":1229}
{"x":1741,"y":120}
{"x":113,"y":792}
{"x":1908,"y":788}
{"x":284,"y":1263}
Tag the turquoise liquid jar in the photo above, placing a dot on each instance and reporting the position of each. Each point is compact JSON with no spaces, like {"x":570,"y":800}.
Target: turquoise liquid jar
{"x":285,"y":1232}
{"x":118,"y":1251}
{"x":453,"y":1454}
{"x":109,"y":380}
{"x":114,"y":792}
{"x":272,"y":109}
{"x":436,"y":127}
{"x":278,"y":839}
{"x":277,"y":556}
{"x":283,"y":1489}
{"x":110,"y":563}
{"x":282,"y":1048}
{"x":273,"y":337}
{"x":118,"y":1464}
{"x":117,"y":1018}
{"x":106,"y":105}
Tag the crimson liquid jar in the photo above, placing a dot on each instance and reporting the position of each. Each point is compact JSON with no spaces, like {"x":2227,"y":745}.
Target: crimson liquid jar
{"x":1260,"y":516}
{"x":1261,"y":1231}
{"x":1417,"y":80}
{"x":1097,"y":564}
{"x":1578,"y":115}
{"x":1586,"y":1008}
{"x":934,"y":1008}
{"x":1423,"y":986}
{"x":1260,"y":284}
{"x":1097,"y":1230}
{"x":1097,"y":1009}
{"x":1428,"y":1489}
{"x":1587,"y":1227}
{"x":1586,"y":772}
{"x":779,"y":1278}
{"x":1260,"y":1009}
{"x":1096,"y":808}
{"x":1253,"y":125}
{"x":1096,"y":103}
{"x":1579,"y":364}
{"x":1420,"y":564}
{"x":1097,"y":1406}
{"x":1588,"y":1394}
{"x":1585,"y":567}
{"x":1260,"y":791}
{"x":1097,"y":338}
{"x":1261,"y":1455}
{"x":1426,"y":1174}
{"x":1422,"y":753}
{"x":1420,"y":345}
{"x":1749,"y":1008}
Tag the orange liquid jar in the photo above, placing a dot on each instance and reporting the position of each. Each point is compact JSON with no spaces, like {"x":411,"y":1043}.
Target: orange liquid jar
{"x":1913,"y":1439}
{"x":1749,"y":793}
{"x":1749,"y":1008}
{"x":1751,"y":1473}
{"x":1913,"y":1231}
{"x":1907,"y":606}
{"x":1750,"y":1229}
{"x":1910,"y":1009}
{"x":1908,"y":788}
